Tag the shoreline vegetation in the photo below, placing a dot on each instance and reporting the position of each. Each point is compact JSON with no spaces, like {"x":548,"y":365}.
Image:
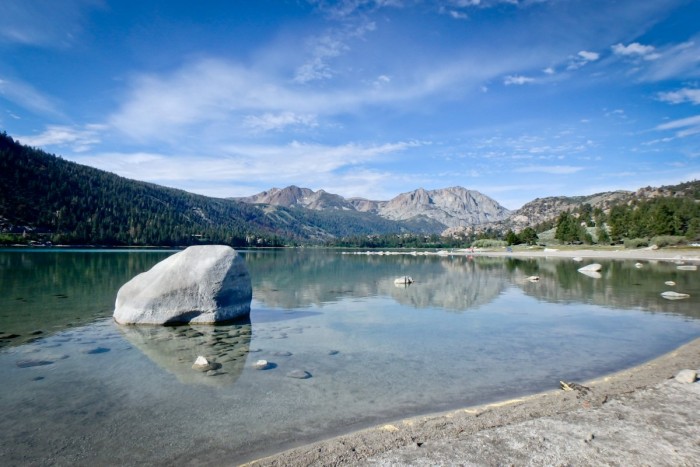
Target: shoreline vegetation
{"x":641,"y":415}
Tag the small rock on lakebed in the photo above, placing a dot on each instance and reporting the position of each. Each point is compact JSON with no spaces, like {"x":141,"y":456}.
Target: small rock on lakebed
{"x":299,"y":374}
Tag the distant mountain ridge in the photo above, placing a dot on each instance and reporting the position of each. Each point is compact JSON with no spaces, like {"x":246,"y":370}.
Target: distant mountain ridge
{"x":451,"y":207}
{"x":45,"y":197}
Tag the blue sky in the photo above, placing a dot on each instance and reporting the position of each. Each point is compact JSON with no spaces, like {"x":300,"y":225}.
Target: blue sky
{"x":518,"y":99}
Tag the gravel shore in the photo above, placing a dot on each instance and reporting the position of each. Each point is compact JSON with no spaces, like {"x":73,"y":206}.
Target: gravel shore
{"x":640,"y":416}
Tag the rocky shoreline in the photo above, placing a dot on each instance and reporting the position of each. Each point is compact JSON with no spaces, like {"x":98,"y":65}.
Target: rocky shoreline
{"x":640,"y":416}
{"x":662,"y":254}
{"x":645,"y":415}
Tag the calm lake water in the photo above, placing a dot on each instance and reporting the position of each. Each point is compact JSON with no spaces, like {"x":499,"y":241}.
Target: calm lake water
{"x":77,"y":389}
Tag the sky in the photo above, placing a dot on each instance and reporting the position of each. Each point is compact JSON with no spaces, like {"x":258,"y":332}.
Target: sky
{"x":517,"y":99}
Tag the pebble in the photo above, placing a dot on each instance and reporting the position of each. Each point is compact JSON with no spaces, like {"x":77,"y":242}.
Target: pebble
{"x":686,"y":376}
{"x":282,"y":354}
{"x":299,"y":374}
{"x":262,"y":365}
{"x":333,"y":352}
{"x":202,"y":364}
{"x":670,"y":283}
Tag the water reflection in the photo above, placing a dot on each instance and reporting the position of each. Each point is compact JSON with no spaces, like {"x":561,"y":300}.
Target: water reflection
{"x":46,"y":291}
{"x":175,"y":349}
{"x":619,"y":284}
{"x":295,"y":279}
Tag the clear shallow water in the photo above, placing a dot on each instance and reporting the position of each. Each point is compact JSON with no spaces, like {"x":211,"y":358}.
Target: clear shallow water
{"x":86,"y":391}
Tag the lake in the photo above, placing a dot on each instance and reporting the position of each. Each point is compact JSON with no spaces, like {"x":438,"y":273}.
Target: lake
{"x":77,"y":389}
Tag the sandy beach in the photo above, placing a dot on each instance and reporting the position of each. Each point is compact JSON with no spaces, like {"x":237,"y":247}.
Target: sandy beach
{"x":646,"y":415}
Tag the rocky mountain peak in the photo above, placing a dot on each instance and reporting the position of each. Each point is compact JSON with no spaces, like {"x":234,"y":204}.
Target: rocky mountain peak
{"x":454,"y":206}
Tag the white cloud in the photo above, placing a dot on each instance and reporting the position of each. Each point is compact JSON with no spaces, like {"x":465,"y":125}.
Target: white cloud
{"x":589,"y":56}
{"x":458,"y":14}
{"x":279,"y":121}
{"x":549,"y":70}
{"x":582,"y":58}
{"x":79,"y":140}
{"x":517,"y":80}
{"x":685,"y":126}
{"x":635,"y":49}
{"x":680,"y":96}
{"x":549,"y":169}
{"x":269,"y":164}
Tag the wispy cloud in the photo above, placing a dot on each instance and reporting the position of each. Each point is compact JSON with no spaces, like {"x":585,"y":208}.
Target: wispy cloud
{"x":518,"y":80}
{"x":44,"y":24}
{"x":238,"y":164}
{"x":676,"y":61}
{"x":26,"y":96}
{"x":279,"y":121}
{"x":333,"y":43}
{"x":78,"y":139}
{"x":550,"y":169}
{"x":684,"y":127}
{"x":680,"y":96}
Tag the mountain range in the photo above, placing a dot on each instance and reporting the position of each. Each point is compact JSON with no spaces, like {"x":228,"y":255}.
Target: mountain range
{"x":70,"y":203}
{"x":450,"y":207}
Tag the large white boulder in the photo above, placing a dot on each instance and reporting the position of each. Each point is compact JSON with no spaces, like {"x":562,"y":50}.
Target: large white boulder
{"x":201,"y":284}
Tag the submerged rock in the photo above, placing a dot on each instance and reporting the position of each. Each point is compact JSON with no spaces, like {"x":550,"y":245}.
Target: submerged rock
{"x":592,"y":270}
{"x":201,"y":284}
{"x":671,"y":295}
{"x":28,"y":363}
{"x":263,"y":365}
{"x":202,"y":364}
{"x":594,"y":267}
{"x":405,"y":280}
{"x":299,"y":374}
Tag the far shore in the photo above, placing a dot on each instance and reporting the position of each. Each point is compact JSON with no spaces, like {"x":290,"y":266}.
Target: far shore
{"x":661,"y":254}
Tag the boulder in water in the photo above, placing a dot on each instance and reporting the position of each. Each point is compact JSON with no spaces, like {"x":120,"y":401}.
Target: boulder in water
{"x":201,"y":284}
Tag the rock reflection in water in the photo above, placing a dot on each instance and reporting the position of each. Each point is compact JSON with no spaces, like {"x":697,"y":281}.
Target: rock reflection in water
{"x":175,"y":348}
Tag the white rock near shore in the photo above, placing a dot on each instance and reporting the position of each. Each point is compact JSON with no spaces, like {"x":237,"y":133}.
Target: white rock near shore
{"x":201,"y":284}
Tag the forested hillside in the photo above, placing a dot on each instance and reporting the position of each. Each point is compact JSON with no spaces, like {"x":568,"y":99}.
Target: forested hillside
{"x":46,"y":198}
{"x":74,"y":204}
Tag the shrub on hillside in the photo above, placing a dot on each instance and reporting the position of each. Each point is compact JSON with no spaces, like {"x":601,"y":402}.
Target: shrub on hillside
{"x":636,"y":242}
{"x":489,"y":243}
{"x":668,"y":240}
